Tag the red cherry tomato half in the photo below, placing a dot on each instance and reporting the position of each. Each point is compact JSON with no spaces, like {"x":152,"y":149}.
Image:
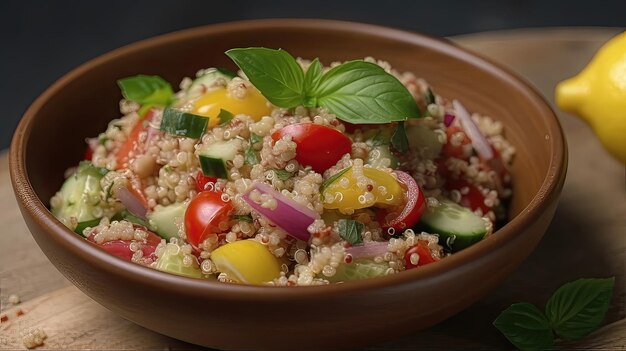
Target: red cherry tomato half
{"x":318,"y":146}
{"x":462,"y":150}
{"x":202,"y":181}
{"x":132,"y":143}
{"x":407,"y":216}
{"x":204,"y":214}
{"x":423,"y":252}
{"x":471,"y":196}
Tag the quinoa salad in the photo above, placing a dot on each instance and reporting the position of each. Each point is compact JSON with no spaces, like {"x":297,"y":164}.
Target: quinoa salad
{"x":288,"y":173}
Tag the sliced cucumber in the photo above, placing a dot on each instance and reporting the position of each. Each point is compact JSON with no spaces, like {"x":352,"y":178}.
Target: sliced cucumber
{"x":172,"y":262}
{"x":213,"y":158}
{"x":358,"y":269}
{"x":184,"y":124}
{"x":424,"y":141}
{"x":458,"y":227}
{"x":379,"y":155}
{"x":80,"y":195}
{"x":163,"y":219}
{"x":207,"y":79}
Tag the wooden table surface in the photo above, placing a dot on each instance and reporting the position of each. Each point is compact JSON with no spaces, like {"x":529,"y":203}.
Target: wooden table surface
{"x":586,"y":239}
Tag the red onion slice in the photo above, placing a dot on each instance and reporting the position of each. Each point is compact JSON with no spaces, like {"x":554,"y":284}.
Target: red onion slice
{"x":448,"y":119}
{"x":292,"y":217}
{"x":131,"y":202}
{"x":373,"y":249}
{"x":479,"y":142}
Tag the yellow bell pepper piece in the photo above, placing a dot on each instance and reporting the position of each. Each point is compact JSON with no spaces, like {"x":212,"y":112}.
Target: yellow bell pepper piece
{"x":373,"y":188}
{"x":246,"y":261}
{"x":209,"y":105}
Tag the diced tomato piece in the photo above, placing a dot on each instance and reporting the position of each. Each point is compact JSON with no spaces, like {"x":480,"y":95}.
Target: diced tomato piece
{"x":423,"y":253}
{"x":202,"y":181}
{"x":88,"y":153}
{"x":133,"y":145}
{"x":471,"y":196}
{"x":318,"y":146}
{"x":460,"y":150}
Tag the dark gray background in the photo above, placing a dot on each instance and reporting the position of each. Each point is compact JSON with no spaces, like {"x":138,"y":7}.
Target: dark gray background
{"x":40,"y":41}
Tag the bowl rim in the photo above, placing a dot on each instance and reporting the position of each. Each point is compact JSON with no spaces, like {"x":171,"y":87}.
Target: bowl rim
{"x":30,"y":202}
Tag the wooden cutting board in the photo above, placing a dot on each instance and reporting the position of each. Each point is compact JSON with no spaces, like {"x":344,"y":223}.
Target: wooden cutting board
{"x":586,"y":239}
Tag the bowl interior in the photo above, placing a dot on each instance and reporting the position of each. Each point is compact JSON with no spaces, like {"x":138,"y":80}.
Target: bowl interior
{"x":82,"y":106}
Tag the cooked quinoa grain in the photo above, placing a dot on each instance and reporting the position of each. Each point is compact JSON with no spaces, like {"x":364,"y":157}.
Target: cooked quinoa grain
{"x":241,"y":201}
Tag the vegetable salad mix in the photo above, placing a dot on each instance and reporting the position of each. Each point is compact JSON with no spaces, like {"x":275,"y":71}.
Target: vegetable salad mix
{"x":289,"y":173}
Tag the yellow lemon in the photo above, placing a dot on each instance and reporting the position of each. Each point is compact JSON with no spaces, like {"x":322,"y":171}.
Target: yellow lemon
{"x":598,"y":95}
{"x":246,"y":261}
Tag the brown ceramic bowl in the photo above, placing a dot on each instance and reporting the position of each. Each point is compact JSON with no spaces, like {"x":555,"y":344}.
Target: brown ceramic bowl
{"x":50,"y":138}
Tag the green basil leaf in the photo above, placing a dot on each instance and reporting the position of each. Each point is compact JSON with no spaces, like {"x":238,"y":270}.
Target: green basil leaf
{"x":282,"y":174}
{"x":227,"y":72}
{"x":147,"y":90}
{"x":224,"y":117}
{"x":350,"y":230}
{"x":311,"y":79}
{"x":525,"y":326}
{"x":362,"y":92}
{"x":578,"y":308}
{"x":250,"y":156}
{"x":243,"y":218}
{"x":429,"y":97}
{"x":275,"y":73}
{"x":331,"y":179}
{"x":399,"y":140}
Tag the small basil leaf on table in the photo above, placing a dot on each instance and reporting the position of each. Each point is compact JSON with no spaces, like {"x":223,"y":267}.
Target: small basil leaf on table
{"x":275,"y":73}
{"x":578,"y":308}
{"x":350,"y":230}
{"x":526,"y":327}
{"x":362,"y":92}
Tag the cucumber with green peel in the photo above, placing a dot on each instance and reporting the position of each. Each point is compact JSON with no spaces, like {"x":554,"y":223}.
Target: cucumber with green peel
{"x":458,"y":227}
{"x":163,"y":219}
{"x":362,"y":268}
{"x":80,"y":196}
{"x":207,"y":79}
{"x":213,"y":158}
{"x":183,"y":124}
{"x":423,"y":141}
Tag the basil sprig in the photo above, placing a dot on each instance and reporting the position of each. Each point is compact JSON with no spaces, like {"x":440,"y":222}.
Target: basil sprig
{"x":355,"y":91}
{"x":574,"y":310}
{"x":149,"y":91}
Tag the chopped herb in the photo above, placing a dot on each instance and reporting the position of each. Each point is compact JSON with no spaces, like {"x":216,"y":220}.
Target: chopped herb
{"x":282,"y":174}
{"x":102,"y":139}
{"x":350,"y":230}
{"x":399,"y":140}
{"x":250,"y":156}
{"x":331,"y":179}
{"x":167,"y":168}
{"x":225,"y":117}
{"x":574,"y":310}
{"x":254,"y":138}
{"x":379,"y":139}
{"x":243,"y":218}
